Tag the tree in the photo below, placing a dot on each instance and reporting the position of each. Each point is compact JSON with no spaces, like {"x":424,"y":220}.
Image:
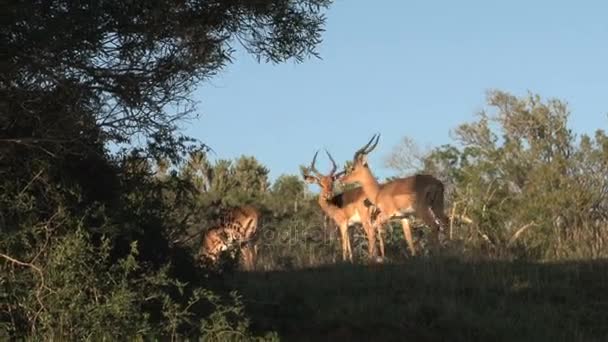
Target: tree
{"x":288,"y":193}
{"x":530,"y":187}
{"x":199,"y":170}
{"x":79,"y":78}
{"x":162,"y":168}
{"x":251,"y":176}
{"x":222,"y":179}
{"x":127,"y":61}
{"x":406,"y":157}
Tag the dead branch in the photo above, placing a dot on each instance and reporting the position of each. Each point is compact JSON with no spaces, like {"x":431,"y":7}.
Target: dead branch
{"x":41,"y":286}
{"x":519,"y":232}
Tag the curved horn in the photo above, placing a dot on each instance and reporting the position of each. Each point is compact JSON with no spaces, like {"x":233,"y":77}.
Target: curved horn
{"x":312,"y":165}
{"x":363,"y":149}
{"x":371,"y":148}
{"x":334,"y":167}
{"x":339,"y":174}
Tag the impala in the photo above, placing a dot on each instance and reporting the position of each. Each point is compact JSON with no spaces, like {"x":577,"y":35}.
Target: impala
{"x":345,"y":209}
{"x":419,"y":195}
{"x":238,"y":226}
{"x":248,"y":217}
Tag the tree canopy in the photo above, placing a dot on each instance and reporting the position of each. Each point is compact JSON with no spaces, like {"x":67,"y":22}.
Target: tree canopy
{"x":532,"y":187}
{"x":78,"y":78}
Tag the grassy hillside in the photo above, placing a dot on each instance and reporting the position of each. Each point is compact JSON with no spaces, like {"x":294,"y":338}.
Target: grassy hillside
{"x":431,"y":300}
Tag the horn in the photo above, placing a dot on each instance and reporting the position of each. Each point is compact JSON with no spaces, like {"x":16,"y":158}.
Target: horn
{"x":371,"y":148}
{"x":363,"y":149}
{"x":312,"y":165}
{"x":334,"y":167}
{"x":339,"y":174}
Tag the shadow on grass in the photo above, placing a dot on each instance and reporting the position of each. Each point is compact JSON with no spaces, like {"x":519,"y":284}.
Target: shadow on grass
{"x":431,"y":300}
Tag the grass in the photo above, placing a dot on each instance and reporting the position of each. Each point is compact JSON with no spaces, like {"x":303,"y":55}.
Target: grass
{"x":427,"y":299}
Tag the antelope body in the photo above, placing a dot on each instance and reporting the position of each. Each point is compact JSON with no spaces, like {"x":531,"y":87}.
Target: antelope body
{"x":419,"y":195}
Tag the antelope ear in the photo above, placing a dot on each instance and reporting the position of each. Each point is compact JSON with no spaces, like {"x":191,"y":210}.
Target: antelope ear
{"x":310,"y":179}
{"x":338,"y":176}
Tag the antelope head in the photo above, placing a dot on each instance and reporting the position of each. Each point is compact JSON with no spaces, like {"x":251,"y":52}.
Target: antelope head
{"x":326,"y":182}
{"x":359,"y":168}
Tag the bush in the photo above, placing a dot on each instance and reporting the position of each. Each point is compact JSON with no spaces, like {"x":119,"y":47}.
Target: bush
{"x":79,"y":293}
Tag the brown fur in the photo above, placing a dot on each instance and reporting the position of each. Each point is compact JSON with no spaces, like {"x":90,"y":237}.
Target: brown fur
{"x":344,"y":210}
{"x":238,"y":225}
{"x":215,"y":241}
{"x":420,"y":195}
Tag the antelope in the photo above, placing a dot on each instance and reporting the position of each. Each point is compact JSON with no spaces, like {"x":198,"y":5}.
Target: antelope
{"x":345,"y":209}
{"x":217,"y":240}
{"x":238,"y":226}
{"x":420,"y":195}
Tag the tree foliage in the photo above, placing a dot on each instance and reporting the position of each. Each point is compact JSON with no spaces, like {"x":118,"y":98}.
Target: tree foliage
{"x":100,"y":245}
{"x":532,"y":187}
{"x":406,"y":157}
{"x":81,"y":79}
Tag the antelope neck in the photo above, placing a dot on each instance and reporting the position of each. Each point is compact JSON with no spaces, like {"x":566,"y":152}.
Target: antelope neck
{"x":370,"y":186}
{"x":327,"y":206}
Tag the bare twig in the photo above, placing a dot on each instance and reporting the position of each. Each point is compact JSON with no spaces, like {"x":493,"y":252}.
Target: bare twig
{"x":486,"y":238}
{"x":453,"y":214}
{"x":464,"y":218}
{"x":519,"y":232}
{"x":40,"y":287}
{"x":30,"y":183}
{"x":21,"y":263}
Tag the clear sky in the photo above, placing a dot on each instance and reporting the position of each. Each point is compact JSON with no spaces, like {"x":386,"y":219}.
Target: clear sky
{"x":406,"y":68}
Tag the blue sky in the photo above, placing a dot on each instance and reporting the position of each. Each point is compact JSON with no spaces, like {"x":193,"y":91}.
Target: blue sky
{"x":406,"y":68}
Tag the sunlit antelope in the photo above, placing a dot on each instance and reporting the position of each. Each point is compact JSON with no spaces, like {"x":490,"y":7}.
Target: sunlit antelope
{"x":419,"y":195}
{"x":345,"y":209}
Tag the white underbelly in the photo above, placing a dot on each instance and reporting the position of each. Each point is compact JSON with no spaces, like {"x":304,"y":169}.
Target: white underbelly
{"x":356,"y":218}
{"x":404,"y":212}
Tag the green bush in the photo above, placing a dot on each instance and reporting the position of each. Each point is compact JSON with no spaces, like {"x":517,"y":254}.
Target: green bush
{"x":531,"y":186}
{"x":79,"y":293}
